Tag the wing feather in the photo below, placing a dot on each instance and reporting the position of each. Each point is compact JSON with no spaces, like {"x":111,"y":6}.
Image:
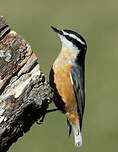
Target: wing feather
{"x":77,"y":78}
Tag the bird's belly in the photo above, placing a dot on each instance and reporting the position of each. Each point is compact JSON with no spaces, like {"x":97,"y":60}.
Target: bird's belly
{"x":65,"y":89}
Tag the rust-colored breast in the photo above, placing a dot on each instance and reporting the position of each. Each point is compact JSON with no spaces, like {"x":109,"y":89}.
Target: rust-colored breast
{"x":65,"y":88}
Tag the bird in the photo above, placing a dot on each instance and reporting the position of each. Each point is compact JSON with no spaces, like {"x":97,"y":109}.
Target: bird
{"x":67,"y":79}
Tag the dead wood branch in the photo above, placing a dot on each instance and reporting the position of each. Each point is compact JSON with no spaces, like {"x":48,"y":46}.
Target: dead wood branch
{"x":24,"y":93}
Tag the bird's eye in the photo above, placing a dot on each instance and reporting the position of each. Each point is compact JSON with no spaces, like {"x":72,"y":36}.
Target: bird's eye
{"x":68,"y":38}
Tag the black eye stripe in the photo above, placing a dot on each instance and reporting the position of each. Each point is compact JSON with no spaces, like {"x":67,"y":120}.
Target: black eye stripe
{"x":76,"y":34}
{"x":75,"y":42}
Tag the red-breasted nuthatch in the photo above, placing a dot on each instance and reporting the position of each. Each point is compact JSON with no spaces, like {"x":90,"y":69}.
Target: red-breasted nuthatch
{"x":67,"y":80}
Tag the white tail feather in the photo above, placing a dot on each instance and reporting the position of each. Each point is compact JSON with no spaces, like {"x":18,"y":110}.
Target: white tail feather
{"x":77,"y":135}
{"x":78,"y":140}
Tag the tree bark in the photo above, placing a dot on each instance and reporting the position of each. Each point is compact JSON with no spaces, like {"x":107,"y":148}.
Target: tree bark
{"x":24,"y":93}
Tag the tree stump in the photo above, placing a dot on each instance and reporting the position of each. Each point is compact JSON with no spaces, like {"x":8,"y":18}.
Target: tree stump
{"x":24,"y":93}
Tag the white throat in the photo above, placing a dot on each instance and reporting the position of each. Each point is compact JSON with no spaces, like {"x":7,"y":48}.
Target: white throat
{"x":68,"y":44}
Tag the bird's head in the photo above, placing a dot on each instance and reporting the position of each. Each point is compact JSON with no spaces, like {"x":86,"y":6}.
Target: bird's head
{"x":71,"y":40}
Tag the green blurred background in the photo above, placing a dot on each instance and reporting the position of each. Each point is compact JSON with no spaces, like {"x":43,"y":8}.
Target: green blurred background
{"x":97,"y":21}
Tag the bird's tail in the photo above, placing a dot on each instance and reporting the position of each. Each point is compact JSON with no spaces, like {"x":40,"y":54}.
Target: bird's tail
{"x":73,"y":122}
{"x":77,"y":135}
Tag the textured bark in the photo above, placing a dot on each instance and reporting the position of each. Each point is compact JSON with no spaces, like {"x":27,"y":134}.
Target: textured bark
{"x":24,"y":93}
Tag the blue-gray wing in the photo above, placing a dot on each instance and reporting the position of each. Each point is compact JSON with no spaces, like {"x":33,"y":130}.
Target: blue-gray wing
{"x":77,"y":76}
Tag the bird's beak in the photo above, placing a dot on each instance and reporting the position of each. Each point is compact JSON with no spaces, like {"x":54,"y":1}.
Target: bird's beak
{"x":57,"y":31}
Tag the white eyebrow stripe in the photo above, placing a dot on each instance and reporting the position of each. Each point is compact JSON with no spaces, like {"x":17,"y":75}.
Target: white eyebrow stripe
{"x":74,"y":36}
